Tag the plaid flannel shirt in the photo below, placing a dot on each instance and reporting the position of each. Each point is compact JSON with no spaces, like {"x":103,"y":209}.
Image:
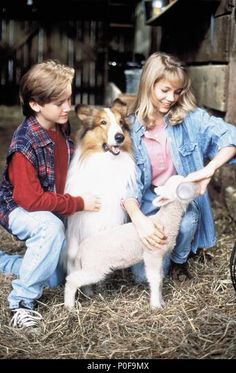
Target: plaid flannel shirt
{"x":34,"y":143}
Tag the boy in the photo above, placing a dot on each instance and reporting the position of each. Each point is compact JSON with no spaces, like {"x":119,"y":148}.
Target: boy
{"x":32,"y":199}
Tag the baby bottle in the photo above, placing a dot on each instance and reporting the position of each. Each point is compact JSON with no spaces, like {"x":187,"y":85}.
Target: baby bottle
{"x":187,"y":190}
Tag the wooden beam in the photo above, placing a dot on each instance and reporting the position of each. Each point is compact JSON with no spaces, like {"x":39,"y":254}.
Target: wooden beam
{"x":231,"y":107}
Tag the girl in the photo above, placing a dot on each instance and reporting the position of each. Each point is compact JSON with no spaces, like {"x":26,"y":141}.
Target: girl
{"x":171,"y":135}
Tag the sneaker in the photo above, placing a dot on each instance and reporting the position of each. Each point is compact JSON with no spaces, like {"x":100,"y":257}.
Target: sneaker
{"x":25,"y":317}
{"x":180,"y":272}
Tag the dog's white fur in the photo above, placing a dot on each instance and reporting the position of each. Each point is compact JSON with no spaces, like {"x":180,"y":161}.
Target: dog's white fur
{"x":120,"y":247}
{"x":102,"y":173}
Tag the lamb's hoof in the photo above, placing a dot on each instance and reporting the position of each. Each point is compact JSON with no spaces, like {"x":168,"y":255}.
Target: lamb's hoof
{"x":157,"y":305}
{"x":69,"y":307}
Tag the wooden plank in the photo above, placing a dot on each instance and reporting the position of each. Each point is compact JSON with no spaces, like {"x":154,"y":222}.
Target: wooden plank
{"x":215,"y":45}
{"x":155,"y":19}
{"x":210,"y":84}
{"x":225,"y":7}
{"x":34,"y":48}
{"x":56,"y":44}
{"x":231,"y":107}
{"x":200,"y":37}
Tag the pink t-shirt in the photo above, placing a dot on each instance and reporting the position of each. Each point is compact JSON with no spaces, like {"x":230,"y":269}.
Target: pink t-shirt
{"x":159,"y":153}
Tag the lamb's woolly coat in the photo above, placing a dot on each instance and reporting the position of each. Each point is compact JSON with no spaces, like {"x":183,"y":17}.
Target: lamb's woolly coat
{"x":121,"y":247}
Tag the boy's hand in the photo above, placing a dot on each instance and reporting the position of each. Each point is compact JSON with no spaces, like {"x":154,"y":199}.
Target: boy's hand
{"x":91,"y":202}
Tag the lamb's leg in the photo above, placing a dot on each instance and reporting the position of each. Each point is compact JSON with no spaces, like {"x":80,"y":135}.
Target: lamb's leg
{"x":72,"y":250}
{"x":69,"y":295}
{"x":71,"y":254}
{"x":154,"y":271}
{"x":77,"y":279}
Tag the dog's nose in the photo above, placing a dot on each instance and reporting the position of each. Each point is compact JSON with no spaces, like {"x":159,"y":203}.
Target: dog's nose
{"x":119,"y":137}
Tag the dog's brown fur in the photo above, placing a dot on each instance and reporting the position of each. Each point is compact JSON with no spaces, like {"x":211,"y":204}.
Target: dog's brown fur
{"x":94,"y":124}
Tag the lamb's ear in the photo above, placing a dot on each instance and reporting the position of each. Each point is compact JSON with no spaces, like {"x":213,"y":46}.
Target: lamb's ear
{"x":160,"y":190}
{"x":164,"y":197}
{"x":161,"y":201}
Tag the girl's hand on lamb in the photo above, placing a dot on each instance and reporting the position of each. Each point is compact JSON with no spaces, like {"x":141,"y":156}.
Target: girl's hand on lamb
{"x":150,"y":233}
{"x":91,"y":202}
{"x":202,"y":177}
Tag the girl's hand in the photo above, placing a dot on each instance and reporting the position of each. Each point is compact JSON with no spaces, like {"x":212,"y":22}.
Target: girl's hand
{"x":151,"y":234}
{"x":202,"y":177}
{"x":91,"y":202}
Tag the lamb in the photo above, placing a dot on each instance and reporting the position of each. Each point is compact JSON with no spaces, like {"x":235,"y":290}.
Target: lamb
{"x":121,"y":247}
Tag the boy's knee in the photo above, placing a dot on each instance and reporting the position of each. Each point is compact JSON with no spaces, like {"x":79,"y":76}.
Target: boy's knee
{"x":54,"y":227}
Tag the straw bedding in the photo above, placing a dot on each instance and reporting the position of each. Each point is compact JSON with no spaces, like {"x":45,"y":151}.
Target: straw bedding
{"x":197,"y":322}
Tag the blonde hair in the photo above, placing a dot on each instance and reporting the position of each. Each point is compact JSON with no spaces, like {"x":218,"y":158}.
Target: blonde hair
{"x":157,"y":67}
{"x":43,"y":83}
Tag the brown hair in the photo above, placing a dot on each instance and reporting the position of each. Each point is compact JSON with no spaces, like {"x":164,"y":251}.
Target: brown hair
{"x":43,"y":83}
{"x":157,"y":67}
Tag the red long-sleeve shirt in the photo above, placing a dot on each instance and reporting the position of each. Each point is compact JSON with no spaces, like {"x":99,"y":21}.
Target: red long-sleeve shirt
{"x":28,"y":192}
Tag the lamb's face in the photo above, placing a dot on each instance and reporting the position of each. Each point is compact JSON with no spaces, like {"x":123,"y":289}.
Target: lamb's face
{"x":175,"y":188}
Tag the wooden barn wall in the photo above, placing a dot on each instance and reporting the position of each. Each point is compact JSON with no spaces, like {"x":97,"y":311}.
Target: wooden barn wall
{"x":77,"y":43}
{"x":210,"y":84}
{"x":206,"y":41}
{"x":231,"y":107}
{"x":215,"y":46}
{"x":203,"y":34}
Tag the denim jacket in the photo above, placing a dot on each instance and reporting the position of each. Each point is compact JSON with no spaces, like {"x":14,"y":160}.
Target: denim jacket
{"x":192,"y":142}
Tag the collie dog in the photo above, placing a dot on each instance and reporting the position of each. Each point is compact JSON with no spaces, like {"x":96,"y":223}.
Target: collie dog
{"x":103,"y":165}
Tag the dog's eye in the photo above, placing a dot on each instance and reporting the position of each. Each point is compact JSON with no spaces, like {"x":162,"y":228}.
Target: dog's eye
{"x":103,"y":122}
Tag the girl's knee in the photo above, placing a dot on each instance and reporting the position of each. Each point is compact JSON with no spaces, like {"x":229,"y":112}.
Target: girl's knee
{"x":190,"y":219}
{"x":187,"y":227}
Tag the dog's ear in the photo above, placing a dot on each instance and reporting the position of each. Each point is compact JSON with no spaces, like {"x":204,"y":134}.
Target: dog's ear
{"x":120,"y":106}
{"x":125,"y":101}
{"x":83,"y":111}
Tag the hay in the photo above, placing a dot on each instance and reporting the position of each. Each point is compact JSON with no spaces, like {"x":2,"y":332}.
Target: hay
{"x":197,"y":322}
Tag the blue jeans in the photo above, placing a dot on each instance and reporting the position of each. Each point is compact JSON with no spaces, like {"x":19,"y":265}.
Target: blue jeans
{"x":184,"y":240}
{"x":44,"y":236}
